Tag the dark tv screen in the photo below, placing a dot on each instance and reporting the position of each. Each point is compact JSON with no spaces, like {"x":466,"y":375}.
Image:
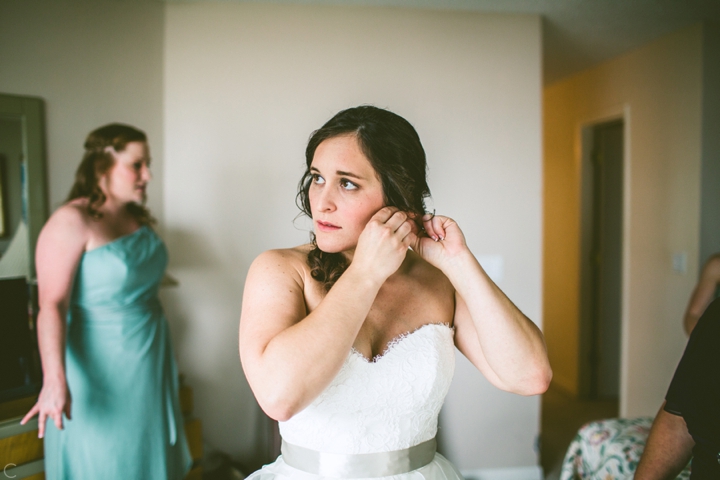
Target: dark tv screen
{"x":19,"y":361}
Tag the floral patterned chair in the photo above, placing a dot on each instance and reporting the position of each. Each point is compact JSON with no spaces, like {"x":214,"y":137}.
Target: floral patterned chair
{"x":608,"y":450}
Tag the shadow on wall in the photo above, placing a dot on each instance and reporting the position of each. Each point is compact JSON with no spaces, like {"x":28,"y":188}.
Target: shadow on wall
{"x":204,"y":337}
{"x":188,"y":251}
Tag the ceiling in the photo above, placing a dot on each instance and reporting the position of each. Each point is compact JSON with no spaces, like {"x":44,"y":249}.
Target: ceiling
{"x":577,"y":34}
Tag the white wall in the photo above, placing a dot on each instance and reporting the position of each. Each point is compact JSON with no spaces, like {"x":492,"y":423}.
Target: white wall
{"x":93,"y":62}
{"x":658,"y":88}
{"x":245,"y":84}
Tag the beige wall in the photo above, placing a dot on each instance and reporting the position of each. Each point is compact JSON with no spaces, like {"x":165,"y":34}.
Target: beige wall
{"x":658,"y":90}
{"x":93,"y":62}
{"x":229,"y":94}
{"x":245,"y":84}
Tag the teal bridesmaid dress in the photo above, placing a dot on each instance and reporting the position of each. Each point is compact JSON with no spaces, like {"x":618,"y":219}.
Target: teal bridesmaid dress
{"x":126,"y":420}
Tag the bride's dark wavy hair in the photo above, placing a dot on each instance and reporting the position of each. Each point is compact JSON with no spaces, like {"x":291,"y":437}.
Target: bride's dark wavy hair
{"x":394,"y":150}
{"x":97,"y":161}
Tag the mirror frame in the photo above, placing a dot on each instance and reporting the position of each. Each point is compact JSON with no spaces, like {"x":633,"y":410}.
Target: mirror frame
{"x":31,"y":113}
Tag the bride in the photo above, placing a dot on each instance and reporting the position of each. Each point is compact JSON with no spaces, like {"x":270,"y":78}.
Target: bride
{"x":348,"y":341}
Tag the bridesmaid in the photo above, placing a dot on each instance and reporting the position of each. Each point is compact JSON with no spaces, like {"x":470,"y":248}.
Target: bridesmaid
{"x":110,"y":383}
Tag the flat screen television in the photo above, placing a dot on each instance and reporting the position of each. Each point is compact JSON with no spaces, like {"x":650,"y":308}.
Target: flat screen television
{"x":19,"y":360}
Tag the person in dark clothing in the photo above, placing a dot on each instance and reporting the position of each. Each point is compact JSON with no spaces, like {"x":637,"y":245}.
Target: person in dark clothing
{"x":688,"y":424}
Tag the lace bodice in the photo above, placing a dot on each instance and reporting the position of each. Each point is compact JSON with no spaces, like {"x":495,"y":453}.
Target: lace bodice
{"x":388,"y":404}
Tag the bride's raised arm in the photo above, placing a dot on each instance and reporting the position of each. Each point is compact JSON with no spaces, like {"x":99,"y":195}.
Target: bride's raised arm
{"x":290,"y":356}
{"x":371,"y":281}
{"x":491,"y":331}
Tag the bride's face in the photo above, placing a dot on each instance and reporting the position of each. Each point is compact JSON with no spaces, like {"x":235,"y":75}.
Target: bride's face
{"x":344,"y":194}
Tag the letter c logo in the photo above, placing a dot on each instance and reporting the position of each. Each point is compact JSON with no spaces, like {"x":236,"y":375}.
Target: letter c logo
{"x":5,"y":470}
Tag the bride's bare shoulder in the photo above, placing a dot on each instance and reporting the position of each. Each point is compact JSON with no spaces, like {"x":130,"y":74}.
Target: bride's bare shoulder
{"x":284,"y":261}
{"x":285,"y":255}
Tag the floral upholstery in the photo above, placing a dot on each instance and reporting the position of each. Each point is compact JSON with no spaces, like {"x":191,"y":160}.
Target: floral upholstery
{"x":608,"y":450}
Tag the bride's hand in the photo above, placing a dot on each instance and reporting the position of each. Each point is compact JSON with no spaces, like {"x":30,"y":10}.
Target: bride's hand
{"x":444,"y":241}
{"x":384,"y":242}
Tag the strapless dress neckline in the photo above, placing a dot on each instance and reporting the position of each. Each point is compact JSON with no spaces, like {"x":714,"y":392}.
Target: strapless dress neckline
{"x":372,"y":407}
{"x":395,"y":341}
{"x":118,"y":240}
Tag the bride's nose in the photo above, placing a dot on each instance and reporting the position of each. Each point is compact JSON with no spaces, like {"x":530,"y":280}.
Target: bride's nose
{"x":325,"y":200}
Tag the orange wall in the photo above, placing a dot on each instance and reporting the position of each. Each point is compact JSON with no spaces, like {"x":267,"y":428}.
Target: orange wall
{"x":658,"y":89}
{"x":561,"y":242}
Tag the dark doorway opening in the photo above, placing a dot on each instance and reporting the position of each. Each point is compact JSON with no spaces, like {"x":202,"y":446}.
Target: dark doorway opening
{"x":601,"y":262}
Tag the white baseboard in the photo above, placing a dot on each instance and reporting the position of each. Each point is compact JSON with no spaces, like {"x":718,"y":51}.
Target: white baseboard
{"x":512,"y":473}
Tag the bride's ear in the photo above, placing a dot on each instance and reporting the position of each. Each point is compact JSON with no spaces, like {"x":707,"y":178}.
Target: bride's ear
{"x":417,"y":224}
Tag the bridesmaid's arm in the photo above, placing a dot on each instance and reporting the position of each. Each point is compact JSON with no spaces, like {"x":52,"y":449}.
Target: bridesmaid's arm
{"x":491,"y":331}
{"x":59,"y":248}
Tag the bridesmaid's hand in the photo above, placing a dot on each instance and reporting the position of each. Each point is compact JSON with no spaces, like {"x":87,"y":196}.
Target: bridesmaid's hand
{"x":54,"y":400}
{"x":443,"y":244}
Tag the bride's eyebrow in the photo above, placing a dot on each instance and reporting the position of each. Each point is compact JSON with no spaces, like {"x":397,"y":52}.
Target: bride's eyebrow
{"x":348,"y":174}
{"x":340,"y":173}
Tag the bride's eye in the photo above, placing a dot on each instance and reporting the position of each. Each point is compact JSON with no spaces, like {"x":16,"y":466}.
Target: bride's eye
{"x":317,"y":179}
{"x":347,"y":184}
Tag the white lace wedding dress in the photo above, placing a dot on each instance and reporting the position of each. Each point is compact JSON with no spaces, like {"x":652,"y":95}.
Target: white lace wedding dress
{"x":385,"y":405}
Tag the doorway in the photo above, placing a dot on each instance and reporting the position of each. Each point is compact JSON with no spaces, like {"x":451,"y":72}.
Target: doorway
{"x":601,"y":262}
{"x":600,"y":290}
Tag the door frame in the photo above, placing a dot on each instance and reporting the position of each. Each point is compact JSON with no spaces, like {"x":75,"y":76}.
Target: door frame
{"x":583,"y":131}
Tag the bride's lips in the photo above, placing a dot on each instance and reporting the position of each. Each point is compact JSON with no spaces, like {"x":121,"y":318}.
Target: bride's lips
{"x":326,"y":226}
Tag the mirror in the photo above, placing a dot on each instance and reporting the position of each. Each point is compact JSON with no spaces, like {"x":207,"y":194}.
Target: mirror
{"x":23,"y":198}
{"x":23,"y":211}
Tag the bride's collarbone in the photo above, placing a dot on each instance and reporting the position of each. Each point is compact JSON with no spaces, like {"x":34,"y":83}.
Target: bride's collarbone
{"x":393,"y":318}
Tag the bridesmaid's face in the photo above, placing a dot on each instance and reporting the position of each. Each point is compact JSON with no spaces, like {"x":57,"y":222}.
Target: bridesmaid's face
{"x":127,"y":179}
{"x":344,"y":194}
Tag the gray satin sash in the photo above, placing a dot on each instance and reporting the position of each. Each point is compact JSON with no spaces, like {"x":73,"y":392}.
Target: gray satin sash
{"x":361,"y":465}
